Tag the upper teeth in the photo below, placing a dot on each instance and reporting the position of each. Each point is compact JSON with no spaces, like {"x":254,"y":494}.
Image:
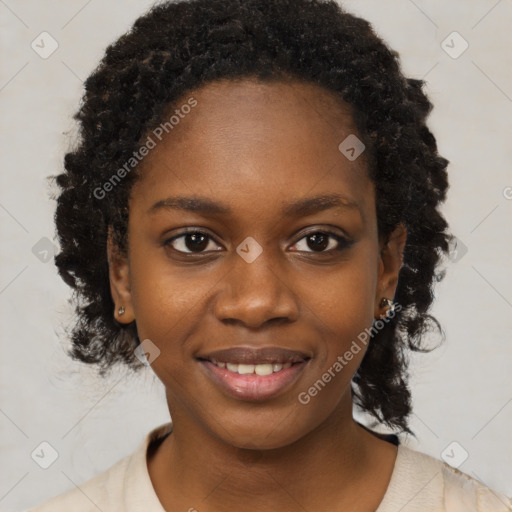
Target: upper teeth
{"x":258,"y":369}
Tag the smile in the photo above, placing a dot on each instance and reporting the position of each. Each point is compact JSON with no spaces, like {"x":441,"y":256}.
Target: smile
{"x":254,"y":374}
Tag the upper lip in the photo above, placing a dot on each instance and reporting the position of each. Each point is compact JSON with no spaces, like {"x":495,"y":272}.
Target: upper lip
{"x":250,"y":355}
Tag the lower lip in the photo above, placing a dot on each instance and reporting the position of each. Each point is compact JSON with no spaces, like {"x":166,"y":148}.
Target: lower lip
{"x":253,"y":387}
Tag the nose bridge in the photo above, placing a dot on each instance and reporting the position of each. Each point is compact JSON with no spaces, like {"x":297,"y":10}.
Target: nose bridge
{"x":255,"y":289}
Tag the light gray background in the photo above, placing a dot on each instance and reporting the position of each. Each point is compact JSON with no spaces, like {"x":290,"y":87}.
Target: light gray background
{"x":462,"y":391}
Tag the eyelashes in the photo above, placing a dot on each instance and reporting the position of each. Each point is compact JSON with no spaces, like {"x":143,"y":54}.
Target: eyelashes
{"x":192,"y":239}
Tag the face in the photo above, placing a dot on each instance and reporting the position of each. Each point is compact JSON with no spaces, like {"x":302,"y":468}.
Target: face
{"x":274,"y":267}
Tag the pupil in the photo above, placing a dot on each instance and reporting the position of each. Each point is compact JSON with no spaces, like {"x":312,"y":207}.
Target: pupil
{"x":199,"y":241}
{"x":320,"y":241}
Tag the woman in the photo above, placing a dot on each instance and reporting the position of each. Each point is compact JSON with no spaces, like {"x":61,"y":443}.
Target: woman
{"x":253,"y":210}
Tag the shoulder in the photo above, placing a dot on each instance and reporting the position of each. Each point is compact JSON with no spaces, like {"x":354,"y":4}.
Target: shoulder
{"x":99,"y":492}
{"x":421,"y":483}
{"x":124,"y":487}
{"x":462,"y":491}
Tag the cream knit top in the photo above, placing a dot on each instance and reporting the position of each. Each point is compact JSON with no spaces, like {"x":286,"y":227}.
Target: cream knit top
{"x":419,"y":483}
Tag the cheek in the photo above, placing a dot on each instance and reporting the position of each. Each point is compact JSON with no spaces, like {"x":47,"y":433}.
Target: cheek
{"x":345,"y":314}
{"x":343,"y":307}
{"x":344,"y":300}
{"x":166,"y":300}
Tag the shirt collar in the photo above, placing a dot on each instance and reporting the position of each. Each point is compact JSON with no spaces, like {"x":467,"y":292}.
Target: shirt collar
{"x":139,"y":494}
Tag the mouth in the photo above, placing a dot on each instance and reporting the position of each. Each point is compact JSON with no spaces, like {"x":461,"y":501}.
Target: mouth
{"x":251,"y":374}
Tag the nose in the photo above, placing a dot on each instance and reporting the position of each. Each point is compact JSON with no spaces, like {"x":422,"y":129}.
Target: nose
{"x":256,"y":293}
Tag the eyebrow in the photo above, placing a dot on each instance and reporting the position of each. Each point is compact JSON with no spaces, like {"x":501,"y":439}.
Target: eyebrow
{"x":301,"y":207}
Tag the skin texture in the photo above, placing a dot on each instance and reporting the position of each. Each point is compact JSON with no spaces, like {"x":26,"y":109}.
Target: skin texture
{"x":255,"y":147}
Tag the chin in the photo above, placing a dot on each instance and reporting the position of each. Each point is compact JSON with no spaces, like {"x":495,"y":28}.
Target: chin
{"x":255,"y":432}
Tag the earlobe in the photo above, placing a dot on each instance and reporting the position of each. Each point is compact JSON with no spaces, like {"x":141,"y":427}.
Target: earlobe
{"x":391,"y":261}
{"x":120,"y":285}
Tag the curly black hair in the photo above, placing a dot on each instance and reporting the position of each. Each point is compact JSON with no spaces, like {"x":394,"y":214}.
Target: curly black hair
{"x":177,"y":47}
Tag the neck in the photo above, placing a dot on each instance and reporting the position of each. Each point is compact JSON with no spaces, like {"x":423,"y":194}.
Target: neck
{"x":329,"y":467}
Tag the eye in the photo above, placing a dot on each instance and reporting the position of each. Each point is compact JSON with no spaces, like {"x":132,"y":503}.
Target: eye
{"x":194,"y":241}
{"x":321,"y":240}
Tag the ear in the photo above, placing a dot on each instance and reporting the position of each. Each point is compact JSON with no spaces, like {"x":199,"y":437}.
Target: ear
{"x":391,"y":260}
{"x":120,"y":285}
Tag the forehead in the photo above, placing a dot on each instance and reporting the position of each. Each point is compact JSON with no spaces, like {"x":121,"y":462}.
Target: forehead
{"x":254,"y":107}
{"x":287,"y":93}
{"x":264,"y":140}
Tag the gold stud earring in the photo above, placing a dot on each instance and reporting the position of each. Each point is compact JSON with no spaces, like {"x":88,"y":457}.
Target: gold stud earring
{"x":389,"y":304}
{"x":386,"y":302}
